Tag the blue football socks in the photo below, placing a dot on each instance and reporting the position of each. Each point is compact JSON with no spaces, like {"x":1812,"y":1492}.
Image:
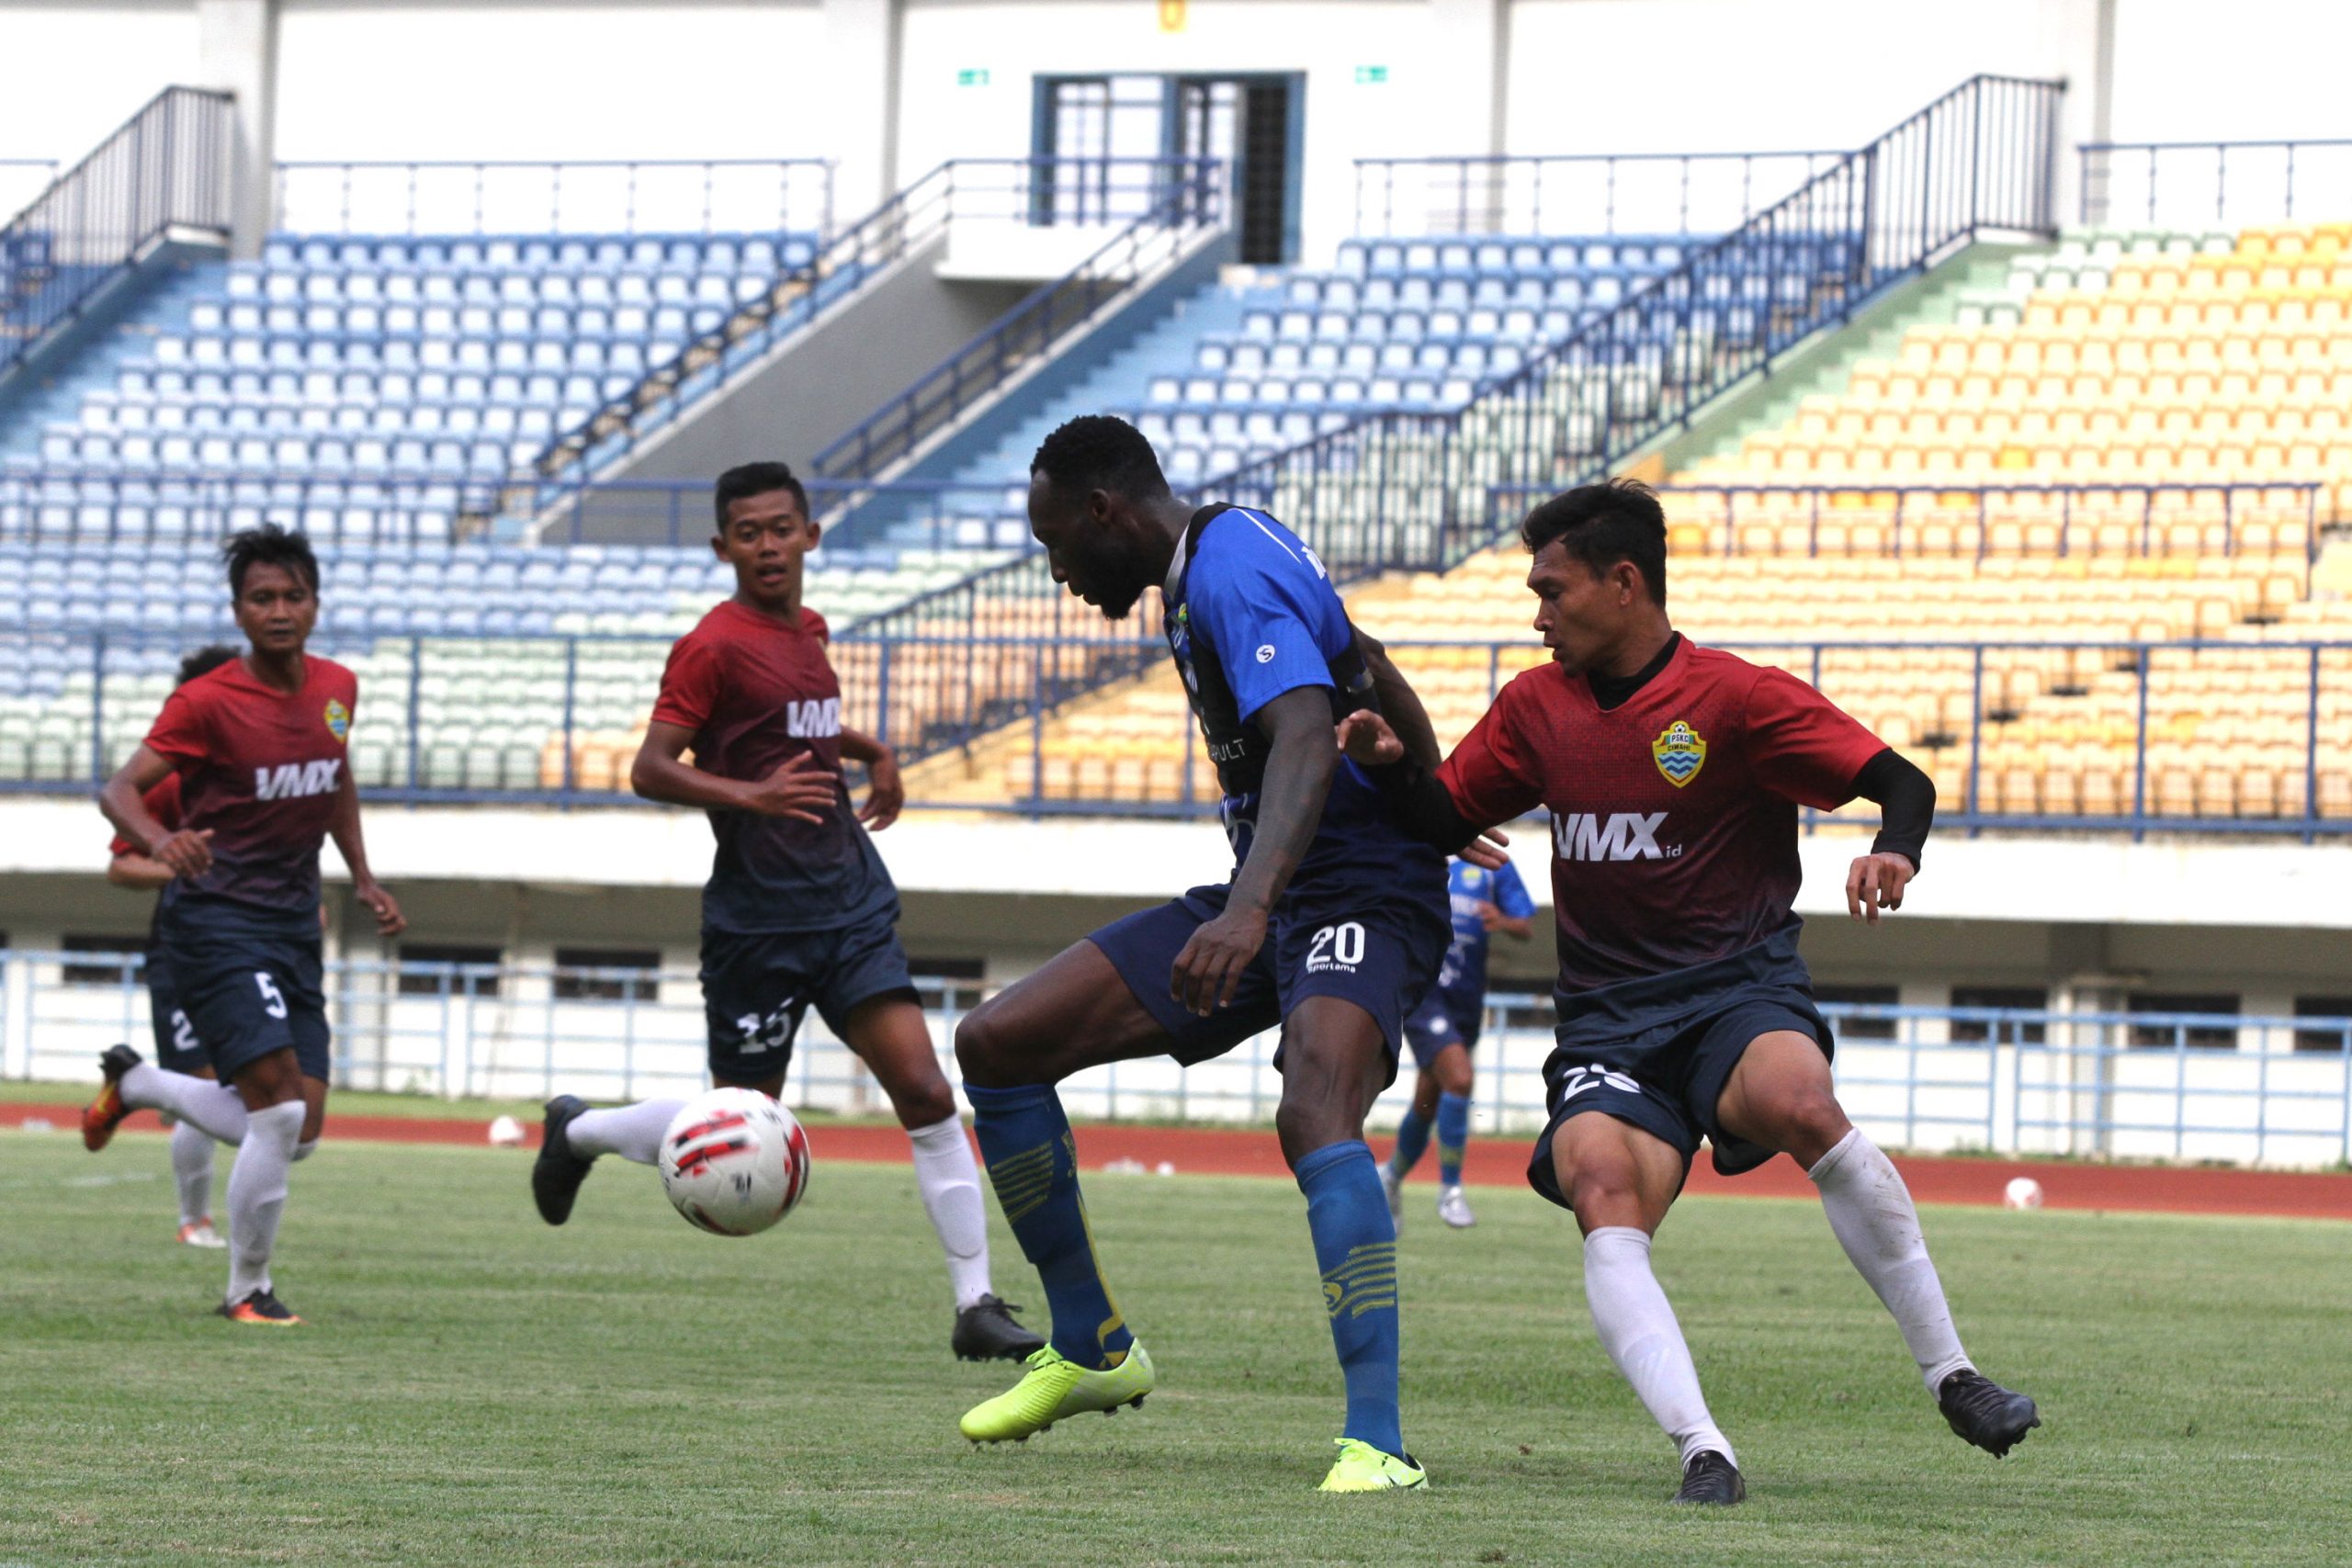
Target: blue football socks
{"x":1355,"y":1246}
{"x":1032,"y":1163}
{"x":1412,"y":1142}
{"x":1452,"y":1135}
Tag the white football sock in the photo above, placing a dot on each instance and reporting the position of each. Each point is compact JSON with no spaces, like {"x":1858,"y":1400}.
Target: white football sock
{"x":1870,"y":1211}
{"x":950,"y":1180}
{"x":257,"y":1195}
{"x":1638,"y":1329}
{"x":632,"y":1132}
{"x":214,"y":1107}
{"x":192,"y":1171}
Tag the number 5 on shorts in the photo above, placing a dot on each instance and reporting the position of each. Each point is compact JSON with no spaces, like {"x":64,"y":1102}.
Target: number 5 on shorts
{"x":273,"y":1000}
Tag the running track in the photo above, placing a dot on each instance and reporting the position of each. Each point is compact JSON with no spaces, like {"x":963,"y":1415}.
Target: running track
{"x":1498,"y":1162}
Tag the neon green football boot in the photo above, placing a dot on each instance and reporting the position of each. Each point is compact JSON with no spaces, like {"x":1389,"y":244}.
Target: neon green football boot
{"x":1363,"y":1468}
{"x":1056,"y":1386}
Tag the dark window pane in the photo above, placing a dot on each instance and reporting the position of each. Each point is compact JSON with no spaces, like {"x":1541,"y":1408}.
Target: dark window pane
{"x":2338,"y":1008}
{"x":2023,"y":998}
{"x":418,"y":980}
{"x":1860,"y":996}
{"x":571,"y":986}
{"x":111,"y":958}
{"x":2206,"y":1037}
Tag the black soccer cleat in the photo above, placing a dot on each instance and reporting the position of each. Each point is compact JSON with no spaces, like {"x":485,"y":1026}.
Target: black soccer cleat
{"x":987,"y":1331}
{"x":260,"y":1307}
{"x":103,"y":1114}
{"x":1710,"y":1477}
{"x":1994,"y":1419}
{"x":557,"y":1174}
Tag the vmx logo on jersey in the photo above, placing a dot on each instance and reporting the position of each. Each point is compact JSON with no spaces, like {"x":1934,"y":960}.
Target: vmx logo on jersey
{"x":812,"y":718}
{"x":1621,"y":835}
{"x":293,"y":781}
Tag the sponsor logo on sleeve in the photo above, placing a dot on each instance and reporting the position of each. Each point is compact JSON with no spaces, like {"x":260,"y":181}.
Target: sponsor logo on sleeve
{"x":1265,"y":653}
{"x":1679,"y":752}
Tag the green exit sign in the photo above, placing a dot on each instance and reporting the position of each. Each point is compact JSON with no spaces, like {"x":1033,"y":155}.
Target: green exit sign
{"x":976,"y":76}
{"x":1371,"y":75}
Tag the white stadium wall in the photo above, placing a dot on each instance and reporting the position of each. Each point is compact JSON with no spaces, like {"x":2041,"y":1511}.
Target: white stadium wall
{"x":75,"y":73}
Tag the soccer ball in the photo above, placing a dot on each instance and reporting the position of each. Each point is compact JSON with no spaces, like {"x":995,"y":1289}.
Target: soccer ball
{"x":2024,"y":1193}
{"x":734,"y":1162}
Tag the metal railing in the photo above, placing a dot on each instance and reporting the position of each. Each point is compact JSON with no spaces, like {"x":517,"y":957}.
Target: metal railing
{"x":1584,"y":193}
{"x":177,"y":508}
{"x":2113,"y":735}
{"x":2198,"y":184}
{"x":998,"y":190}
{"x":2006,"y":1081}
{"x":641,"y":195}
{"x":164,"y":169}
{"x":1189,"y":200}
{"x":21,"y":179}
{"x":927,"y":515}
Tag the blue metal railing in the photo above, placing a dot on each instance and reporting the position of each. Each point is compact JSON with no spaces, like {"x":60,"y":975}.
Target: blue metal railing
{"x":1582,"y":193}
{"x":2197,"y":185}
{"x":2039,"y":1081}
{"x":164,"y":169}
{"x":640,"y":196}
{"x":1989,"y":719}
{"x":1185,"y":199}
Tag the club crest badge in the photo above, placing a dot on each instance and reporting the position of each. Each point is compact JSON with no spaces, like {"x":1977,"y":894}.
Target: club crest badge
{"x":1680,"y":753}
{"x":339,"y":719}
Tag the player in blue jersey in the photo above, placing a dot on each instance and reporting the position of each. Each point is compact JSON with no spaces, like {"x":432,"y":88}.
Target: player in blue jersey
{"x":1332,"y":924}
{"x":1445,"y":1031}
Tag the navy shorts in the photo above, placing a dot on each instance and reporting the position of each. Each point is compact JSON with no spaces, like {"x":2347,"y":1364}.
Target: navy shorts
{"x":757,"y":985}
{"x":178,"y":1050}
{"x":248,"y":989}
{"x":1668,"y":1087}
{"x":1381,"y":957}
{"x":1442,"y":1021}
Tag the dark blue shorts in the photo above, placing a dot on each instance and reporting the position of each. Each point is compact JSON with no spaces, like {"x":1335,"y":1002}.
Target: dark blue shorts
{"x":757,"y":985}
{"x":1668,"y":1087}
{"x":1382,"y":956}
{"x":247,"y":986}
{"x":1442,"y":1021}
{"x":178,"y":1050}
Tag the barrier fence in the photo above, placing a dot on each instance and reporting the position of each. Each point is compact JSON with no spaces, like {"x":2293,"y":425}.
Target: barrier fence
{"x":638,"y":195}
{"x":2192,"y":184}
{"x":1581,"y":194}
{"x":2275,"y":1090}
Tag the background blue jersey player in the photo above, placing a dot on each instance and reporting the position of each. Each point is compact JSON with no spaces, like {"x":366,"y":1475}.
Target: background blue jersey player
{"x":1444,"y":1031}
{"x":1332,"y":925}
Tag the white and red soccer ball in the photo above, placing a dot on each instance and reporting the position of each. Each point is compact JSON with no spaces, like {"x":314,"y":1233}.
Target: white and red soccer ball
{"x":734,"y":1162}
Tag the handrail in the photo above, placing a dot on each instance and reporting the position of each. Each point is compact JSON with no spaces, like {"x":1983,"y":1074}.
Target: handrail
{"x":1193,"y":200}
{"x":605,"y":196}
{"x":165,"y":168}
{"x":2174,"y":174}
{"x":1572,"y":193}
{"x":1015,"y":189}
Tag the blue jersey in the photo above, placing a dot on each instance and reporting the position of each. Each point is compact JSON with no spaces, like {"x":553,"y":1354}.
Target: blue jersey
{"x":1251,"y":614}
{"x":1463,"y":978}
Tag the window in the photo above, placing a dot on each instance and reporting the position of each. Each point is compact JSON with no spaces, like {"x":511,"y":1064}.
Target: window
{"x":2321,"y":1007}
{"x":958,"y":978}
{"x":111,"y":957}
{"x":2207,"y":1038}
{"x":1860,"y":996}
{"x":1975,"y":1031}
{"x":571,"y":985}
{"x":417,"y":980}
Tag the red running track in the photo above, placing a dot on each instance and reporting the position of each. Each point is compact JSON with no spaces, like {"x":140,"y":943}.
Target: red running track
{"x":1495,"y":1162}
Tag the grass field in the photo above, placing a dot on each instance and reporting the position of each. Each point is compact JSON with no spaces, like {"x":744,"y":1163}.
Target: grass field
{"x":477,"y":1388}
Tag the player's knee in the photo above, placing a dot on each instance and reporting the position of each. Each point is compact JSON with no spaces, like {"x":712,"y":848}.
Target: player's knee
{"x":986,"y":1052}
{"x":1603,"y":1189}
{"x":1809,"y":1123}
{"x":1453,"y":1074}
{"x":924,"y":1105}
{"x":1302,"y":1128}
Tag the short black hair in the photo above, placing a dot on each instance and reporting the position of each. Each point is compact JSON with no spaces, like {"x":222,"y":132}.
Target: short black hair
{"x":269,"y":545}
{"x":204,"y":662}
{"x":1602,"y":524}
{"x":756,"y":478}
{"x":1101,"y":451}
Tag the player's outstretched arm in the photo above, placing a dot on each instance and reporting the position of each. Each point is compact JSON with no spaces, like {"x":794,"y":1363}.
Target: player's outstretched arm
{"x":122,"y":800}
{"x":1425,"y":808}
{"x":345,"y":830}
{"x":800,"y":788}
{"x":1300,"y":762}
{"x":1399,"y":702}
{"x":886,"y":793}
{"x":1907,"y":800}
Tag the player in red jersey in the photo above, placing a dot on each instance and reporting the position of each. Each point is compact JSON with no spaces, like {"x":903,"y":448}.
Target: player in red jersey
{"x":798,"y":908}
{"x":177,"y":1047}
{"x":1673,"y":775}
{"x":260,"y":746}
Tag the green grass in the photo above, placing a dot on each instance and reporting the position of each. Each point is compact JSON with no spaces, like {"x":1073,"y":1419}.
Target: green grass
{"x":477,"y":1388}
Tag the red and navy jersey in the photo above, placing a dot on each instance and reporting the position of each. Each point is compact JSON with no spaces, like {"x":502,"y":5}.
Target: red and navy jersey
{"x":1674,"y":816}
{"x":262,"y":770}
{"x":756,"y":693}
